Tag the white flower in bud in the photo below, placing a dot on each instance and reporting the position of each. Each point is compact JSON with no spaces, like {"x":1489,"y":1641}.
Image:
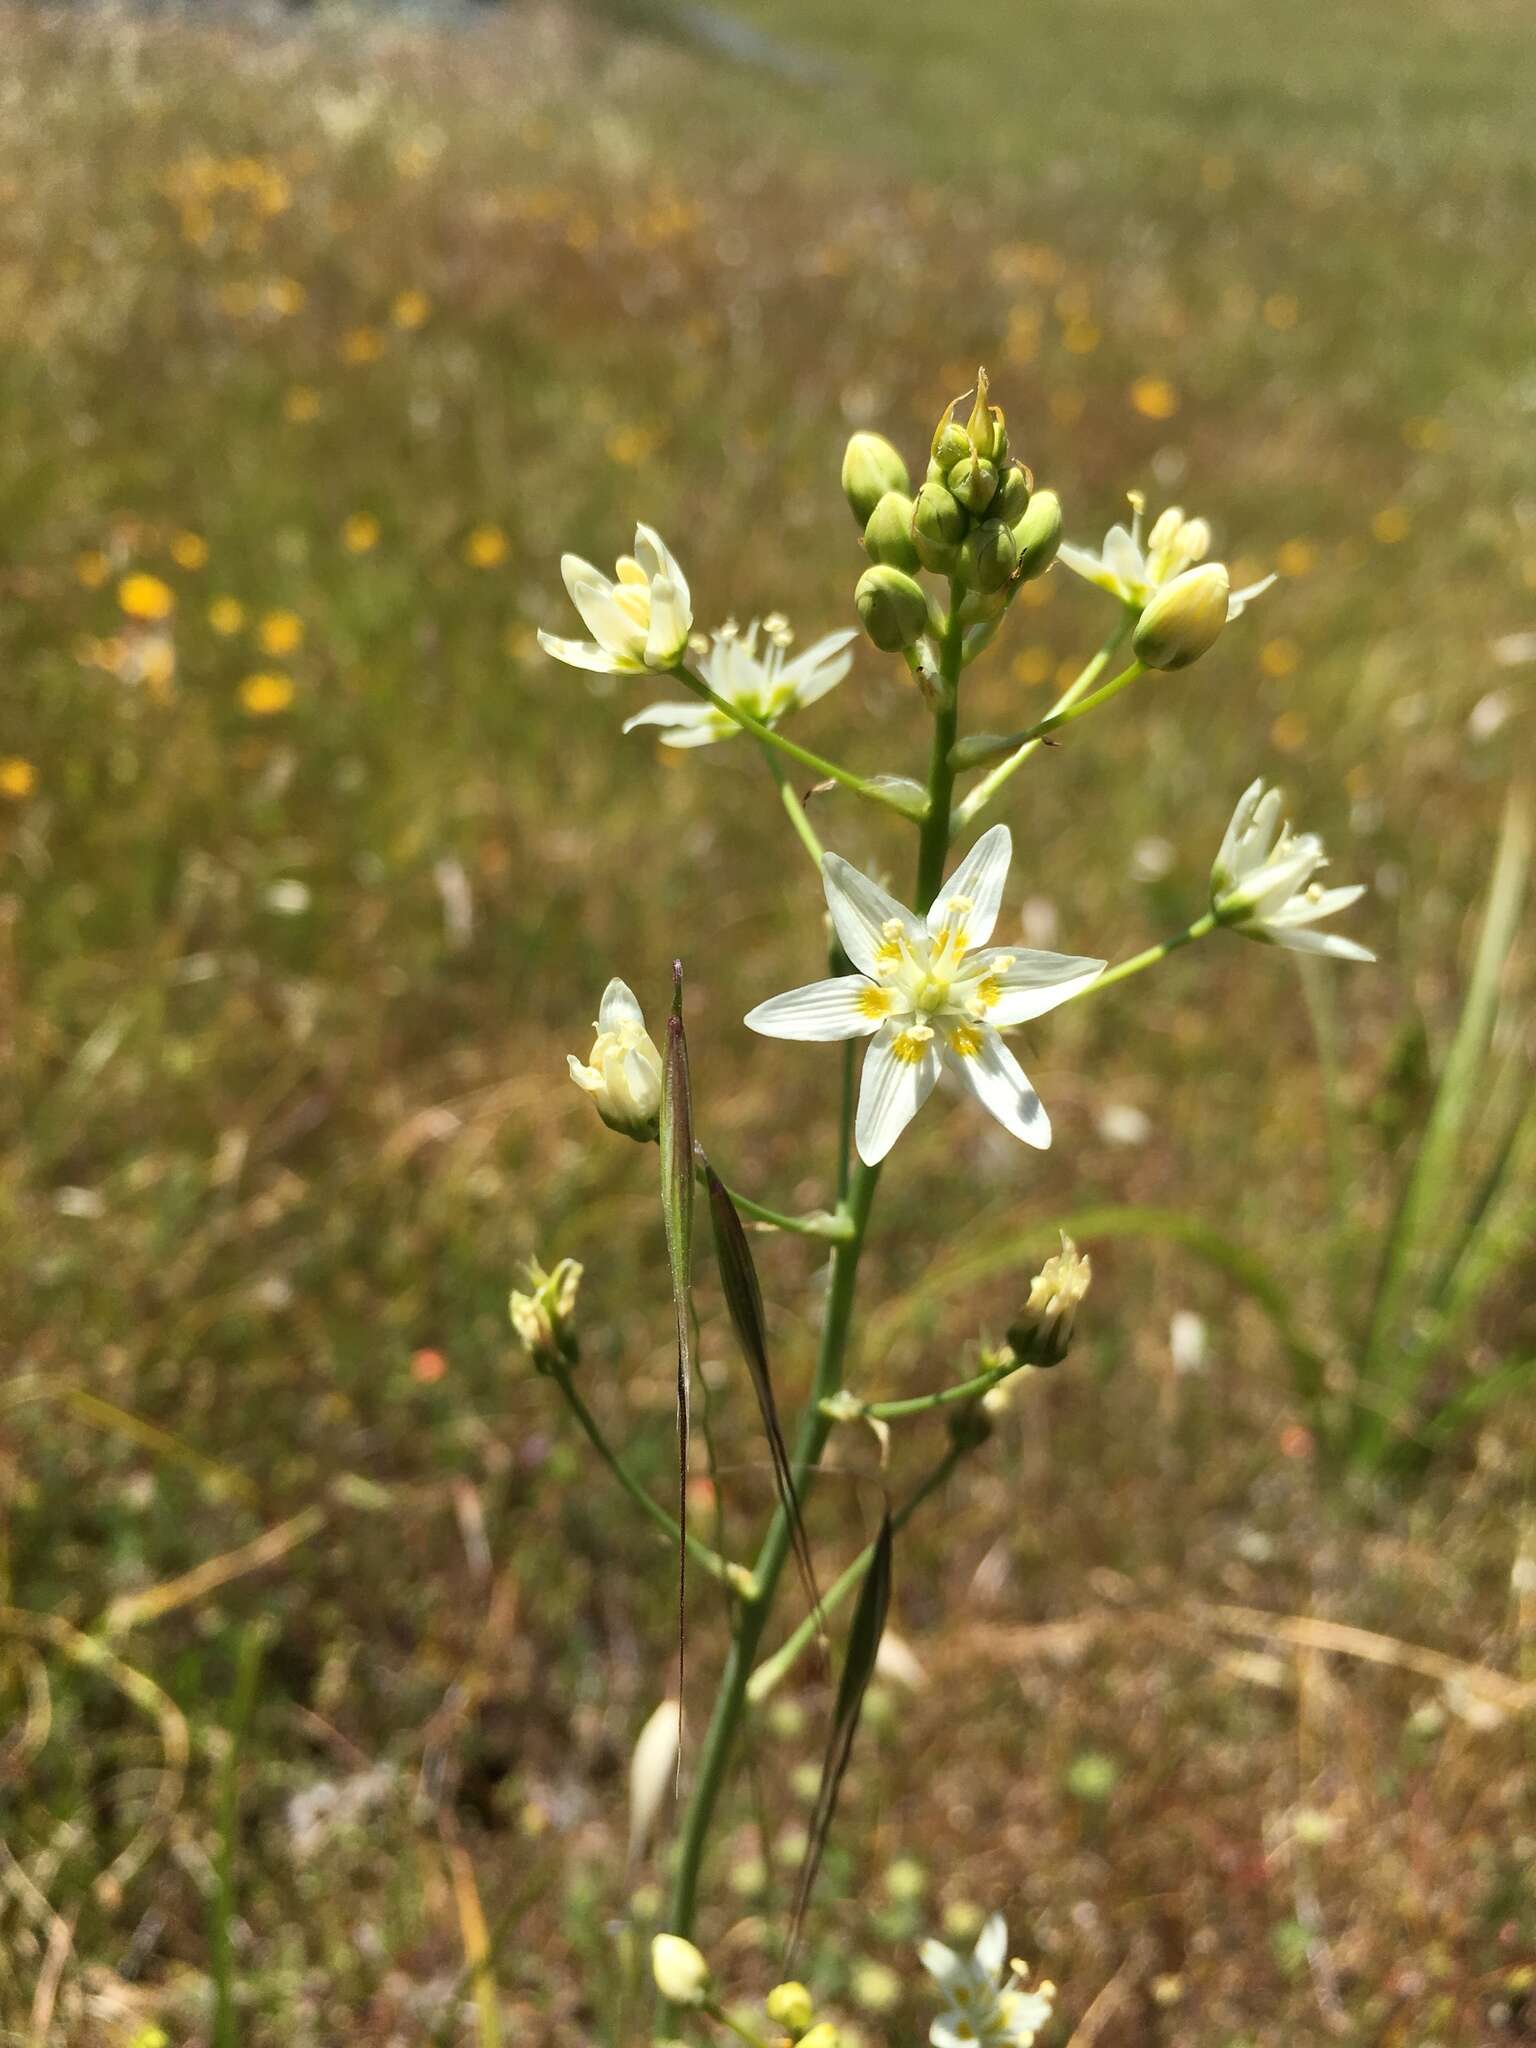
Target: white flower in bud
{"x":931,"y":993}
{"x":1136,"y":575}
{"x":1263,"y":881}
{"x":1044,"y":1330}
{"x":639,"y":621}
{"x":984,"y":2009}
{"x":789,"y":2006}
{"x":767,"y":685}
{"x":681,"y":1973}
{"x":1184,"y":619}
{"x":542,"y":1319}
{"x":623,"y":1075}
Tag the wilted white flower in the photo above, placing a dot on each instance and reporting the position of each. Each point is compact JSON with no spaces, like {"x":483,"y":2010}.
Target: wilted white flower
{"x":623,"y":1076}
{"x":1136,"y":576}
{"x":767,"y":686}
{"x":640,"y":621}
{"x":930,"y":992}
{"x":680,"y":1971}
{"x":1043,"y":1333}
{"x":1262,"y":882}
{"x":983,"y":2009}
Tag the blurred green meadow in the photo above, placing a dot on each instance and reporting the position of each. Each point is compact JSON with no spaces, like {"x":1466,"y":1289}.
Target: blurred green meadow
{"x":320,"y":337}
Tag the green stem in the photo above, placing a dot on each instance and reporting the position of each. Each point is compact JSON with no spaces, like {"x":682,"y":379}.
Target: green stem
{"x":964,"y":1390}
{"x":772,"y":1669}
{"x":830,"y":1229}
{"x":1198,"y":930}
{"x":976,"y":753}
{"x":722,"y":2018}
{"x":804,"y":831}
{"x":826,"y":770}
{"x":977,"y":799}
{"x":709,"y":1560}
{"x":934,"y":831}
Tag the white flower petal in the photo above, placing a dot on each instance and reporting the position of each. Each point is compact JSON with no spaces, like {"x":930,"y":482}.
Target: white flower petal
{"x":658,"y":561}
{"x":619,"y":1006}
{"x":671,"y":622}
{"x":1124,"y":560}
{"x":1224,"y":869}
{"x":978,"y":881}
{"x":576,"y":570}
{"x":860,"y":911}
{"x":939,"y":1961}
{"x":674,"y":715}
{"x":607,"y":620}
{"x":892,"y":1090}
{"x":952,"y":2030}
{"x":1332,"y":943}
{"x":821,"y":667}
{"x":1091,"y":567}
{"x":1037,"y":982}
{"x":584,"y":654}
{"x":822,"y":1011}
{"x":1239,"y":598}
{"x":1000,"y":1084}
{"x":991,"y":1950}
{"x":1305,"y":909}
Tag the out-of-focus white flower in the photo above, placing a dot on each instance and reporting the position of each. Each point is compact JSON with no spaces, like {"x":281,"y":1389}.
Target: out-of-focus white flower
{"x":930,"y":992}
{"x":639,"y":621}
{"x":1262,"y":882}
{"x":651,"y":1772}
{"x":680,"y":1971}
{"x":767,"y":686}
{"x":983,"y":2009}
{"x":1136,"y":575}
{"x":543,"y":1318}
{"x":623,"y":1076}
{"x":1188,"y":1341}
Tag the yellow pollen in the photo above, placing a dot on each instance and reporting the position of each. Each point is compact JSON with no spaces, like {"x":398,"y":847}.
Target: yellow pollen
{"x":964,"y":1042}
{"x":909,"y":1046}
{"x":987,"y":992}
{"x":875,"y":1002}
{"x":888,"y":954}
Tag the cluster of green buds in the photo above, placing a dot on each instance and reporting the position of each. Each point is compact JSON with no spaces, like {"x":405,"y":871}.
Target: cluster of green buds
{"x":976,"y":519}
{"x":544,"y":1318}
{"x":683,"y":1977}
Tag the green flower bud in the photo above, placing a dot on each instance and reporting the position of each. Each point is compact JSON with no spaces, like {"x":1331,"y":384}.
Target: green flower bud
{"x":888,"y":536}
{"x":893,"y":607}
{"x":938,"y":527}
{"x":999,"y":437}
{"x":988,"y":556}
{"x":871,"y":467}
{"x":823,"y":2035}
{"x":1037,"y":535}
{"x":1184,"y":619}
{"x":1014,"y":485}
{"x":951,"y":443}
{"x":789,"y":2006}
{"x":981,"y":429}
{"x":681,"y":1973}
{"x":973,"y":484}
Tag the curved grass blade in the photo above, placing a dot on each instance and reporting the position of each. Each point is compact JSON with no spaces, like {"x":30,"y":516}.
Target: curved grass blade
{"x":676,"y":1136}
{"x":858,"y":1668}
{"x":744,"y":1299}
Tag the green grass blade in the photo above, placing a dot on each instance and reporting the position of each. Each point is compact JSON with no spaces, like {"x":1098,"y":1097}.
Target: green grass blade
{"x":226,"y":2026}
{"x":676,"y":1137}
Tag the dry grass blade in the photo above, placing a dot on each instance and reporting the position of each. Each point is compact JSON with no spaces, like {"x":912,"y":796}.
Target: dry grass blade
{"x":858,"y":1668}
{"x":61,"y":1939}
{"x":676,"y":1136}
{"x":744,"y":1299}
{"x":154,"y":1601}
{"x":474,"y":1935}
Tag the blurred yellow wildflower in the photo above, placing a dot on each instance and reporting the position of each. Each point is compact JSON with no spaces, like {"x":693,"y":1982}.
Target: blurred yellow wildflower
{"x":92,"y":568}
{"x":1288,"y":734}
{"x":226,"y":615}
{"x":630,"y":446}
{"x":1391,"y":525}
{"x":359,"y":533}
{"x":280,"y":633}
{"x":189,"y":550}
{"x":1428,"y":436}
{"x":266,"y":693}
{"x":1279,"y":657}
{"x":1281,"y":312}
{"x":145,"y":597}
{"x":362,"y":345}
{"x":18,"y":778}
{"x":151,"y":660}
{"x":1296,"y":558}
{"x":410,"y":309}
{"x":285,"y":295}
{"x":300,"y":405}
{"x":1081,"y":337}
{"x":485,"y":547}
{"x":1154,"y":398}
{"x":1032,"y":665}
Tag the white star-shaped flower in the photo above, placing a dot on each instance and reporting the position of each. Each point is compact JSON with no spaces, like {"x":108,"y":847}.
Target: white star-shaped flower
{"x":931,"y":993}
{"x":982,"y":2009}
{"x":1262,"y":882}
{"x":1136,"y":575}
{"x":639,"y":621}
{"x":767,"y":685}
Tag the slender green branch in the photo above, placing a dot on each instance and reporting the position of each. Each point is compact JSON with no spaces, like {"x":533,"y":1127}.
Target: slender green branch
{"x":709,"y":1560}
{"x":772,"y":1669}
{"x":964,"y":1390}
{"x":830,"y":1229}
{"x":742,"y":2032}
{"x":977,"y":799}
{"x":1150,"y":958}
{"x":769,"y":736}
{"x":977,"y":752}
{"x":804,"y":831}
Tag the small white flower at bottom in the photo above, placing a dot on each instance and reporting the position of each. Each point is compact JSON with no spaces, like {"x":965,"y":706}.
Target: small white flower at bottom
{"x":1262,"y":881}
{"x":984,"y":2009}
{"x":931,"y":993}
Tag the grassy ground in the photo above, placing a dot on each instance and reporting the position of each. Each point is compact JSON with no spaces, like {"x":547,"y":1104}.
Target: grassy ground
{"x":311,"y":878}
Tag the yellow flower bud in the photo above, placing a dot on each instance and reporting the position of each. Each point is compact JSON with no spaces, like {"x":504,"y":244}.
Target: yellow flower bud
{"x":1184,"y":619}
{"x":973,"y":484}
{"x":871,"y":467}
{"x":893,"y":607}
{"x":623,"y":1074}
{"x":681,"y":1973}
{"x":825,"y":2035}
{"x":938,"y":527}
{"x":789,"y":2005}
{"x":888,"y":536}
{"x":988,"y":556}
{"x":1037,"y":535}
